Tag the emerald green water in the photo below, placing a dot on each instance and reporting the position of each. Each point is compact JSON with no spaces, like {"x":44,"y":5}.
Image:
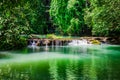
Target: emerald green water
{"x":90,"y":62}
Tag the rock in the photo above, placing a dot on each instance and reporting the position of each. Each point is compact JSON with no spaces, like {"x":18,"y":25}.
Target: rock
{"x":95,"y":42}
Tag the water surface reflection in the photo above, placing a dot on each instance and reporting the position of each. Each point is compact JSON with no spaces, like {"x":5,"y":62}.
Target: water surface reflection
{"x":62,"y":63}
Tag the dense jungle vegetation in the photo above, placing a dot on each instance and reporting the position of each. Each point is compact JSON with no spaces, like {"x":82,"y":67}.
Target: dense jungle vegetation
{"x":60,"y":17}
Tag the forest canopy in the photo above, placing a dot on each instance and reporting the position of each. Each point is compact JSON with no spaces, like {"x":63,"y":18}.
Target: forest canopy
{"x":68,"y":16}
{"x":61,"y":17}
{"x":104,"y":17}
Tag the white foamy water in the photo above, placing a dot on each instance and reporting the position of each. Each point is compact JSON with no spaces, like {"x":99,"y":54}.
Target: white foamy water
{"x":78,"y":42}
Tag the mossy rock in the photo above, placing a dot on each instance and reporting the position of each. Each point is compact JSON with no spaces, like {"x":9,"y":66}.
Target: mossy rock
{"x":95,"y":42}
{"x":53,"y":36}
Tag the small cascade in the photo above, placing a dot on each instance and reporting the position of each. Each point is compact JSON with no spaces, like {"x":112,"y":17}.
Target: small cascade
{"x":56,"y":43}
{"x":46,"y":42}
{"x":78,"y":42}
{"x":46,"y":47}
{"x":52,"y":44}
{"x":33,"y":44}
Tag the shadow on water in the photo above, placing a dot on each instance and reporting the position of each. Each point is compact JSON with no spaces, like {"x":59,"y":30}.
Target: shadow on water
{"x":4,"y":55}
{"x":94,"y":62}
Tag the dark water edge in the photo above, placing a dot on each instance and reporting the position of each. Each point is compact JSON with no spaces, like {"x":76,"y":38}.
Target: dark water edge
{"x":63,"y":63}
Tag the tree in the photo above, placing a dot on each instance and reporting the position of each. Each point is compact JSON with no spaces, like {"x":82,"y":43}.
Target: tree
{"x":13,"y":23}
{"x":38,"y":22}
{"x":104,"y":17}
{"x":68,"y":16}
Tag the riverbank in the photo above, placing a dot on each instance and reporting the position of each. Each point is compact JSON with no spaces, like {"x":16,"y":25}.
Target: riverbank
{"x":53,"y":40}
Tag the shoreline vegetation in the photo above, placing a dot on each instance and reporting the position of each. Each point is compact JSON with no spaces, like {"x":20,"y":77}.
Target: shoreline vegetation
{"x":59,"y":17}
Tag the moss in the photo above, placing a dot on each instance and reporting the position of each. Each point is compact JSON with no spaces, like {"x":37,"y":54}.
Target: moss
{"x":95,"y":42}
{"x":53,"y":36}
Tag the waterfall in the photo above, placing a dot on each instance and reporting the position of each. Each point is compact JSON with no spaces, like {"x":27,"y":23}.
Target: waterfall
{"x":57,"y":43}
{"x":52,"y":43}
{"x":78,"y":42}
{"x":33,"y":44}
{"x":46,"y":47}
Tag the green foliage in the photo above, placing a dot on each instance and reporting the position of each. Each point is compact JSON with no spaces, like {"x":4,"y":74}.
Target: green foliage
{"x":73,"y":28}
{"x":21,"y":17}
{"x":38,"y":22}
{"x":18,"y":17}
{"x":68,"y":16}
{"x":13,"y":23}
{"x":104,"y":17}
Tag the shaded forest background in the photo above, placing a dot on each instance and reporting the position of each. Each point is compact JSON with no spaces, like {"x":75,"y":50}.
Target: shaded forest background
{"x":60,"y":17}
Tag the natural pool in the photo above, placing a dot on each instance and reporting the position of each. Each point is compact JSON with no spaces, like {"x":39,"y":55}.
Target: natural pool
{"x":86,"y":62}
